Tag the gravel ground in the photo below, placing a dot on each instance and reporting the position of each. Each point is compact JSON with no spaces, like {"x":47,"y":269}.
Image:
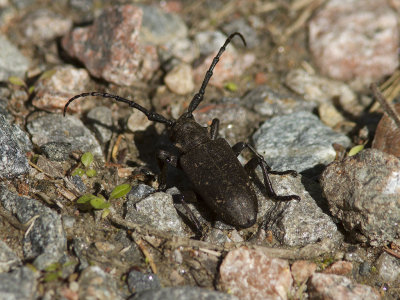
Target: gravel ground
{"x":296,"y":88}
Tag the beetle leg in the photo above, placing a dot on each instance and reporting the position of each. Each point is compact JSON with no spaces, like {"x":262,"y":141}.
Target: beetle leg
{"x":165,"y":158}
{"x":259,"y":160}
{"x":214,"y":129}
{"x":180,"y":198}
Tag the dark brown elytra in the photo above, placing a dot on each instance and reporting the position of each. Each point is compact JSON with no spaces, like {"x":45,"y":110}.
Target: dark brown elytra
{"x":210,"y":162}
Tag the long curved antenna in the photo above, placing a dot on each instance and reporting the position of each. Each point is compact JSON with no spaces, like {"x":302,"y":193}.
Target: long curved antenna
{"x":200,"y":94}
{"x":152,"y":116}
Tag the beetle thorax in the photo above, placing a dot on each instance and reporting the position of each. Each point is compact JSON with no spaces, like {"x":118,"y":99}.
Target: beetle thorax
{"x":187,"y":134}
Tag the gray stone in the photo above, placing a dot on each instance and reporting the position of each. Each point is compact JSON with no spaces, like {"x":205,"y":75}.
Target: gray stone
{"x":138,"y":281}
{"x":12,"y":62}
{"x":68,"y":129}
{"x":240,"y":25}
{"x":56,"y":151}
{"x":94,"y":283}
{"x":298,"y":141}
{"x":296,"y":223}
{"x":139,"y":192}
{"x":159,"y":27}
{"x":388,"y":267}
{"x":365,"y":268}
{"x":45,"y":242}
{"x":101,"y":118}
{"x":210,"y":41}
{"x":182,"y":293}
{"x":13,"y":159}
{"x":267,"y":102}
{"x":158,"y":211}
{"x":8,"y":259}
{"x":363,"y":193}
{"x":19,"y":284}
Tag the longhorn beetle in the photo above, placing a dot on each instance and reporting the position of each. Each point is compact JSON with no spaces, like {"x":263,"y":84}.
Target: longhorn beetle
{"x":209,"y":162}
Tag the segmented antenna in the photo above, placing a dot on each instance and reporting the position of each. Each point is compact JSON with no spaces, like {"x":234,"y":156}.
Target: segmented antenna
{"x":200,"y":94}
{"x":152,"y":116}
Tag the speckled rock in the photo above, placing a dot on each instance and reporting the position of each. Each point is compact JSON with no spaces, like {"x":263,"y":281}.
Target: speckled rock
{"x":18,"y":284}
{"x":250,"y":274}
{"x":340,"y":267}
{"x":68,"y":129}
{"x":110,"y":48}
{"x":356,"y":39}
{"x":100,"y":118}
{"x":138,"y":281}
{"x":56,"y":86}
{"x":302,"y":270}
{"x":388,"y":267}
{"x":8,"y":259}
{"x":297,"y":141}
{"x":333,"y":287}
{"x":12,"y":62}
{"x":363,"y":193}
{"x":180,"y":79}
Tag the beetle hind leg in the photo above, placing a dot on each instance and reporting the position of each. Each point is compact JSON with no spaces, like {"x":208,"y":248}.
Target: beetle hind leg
{"x":266,"y":169}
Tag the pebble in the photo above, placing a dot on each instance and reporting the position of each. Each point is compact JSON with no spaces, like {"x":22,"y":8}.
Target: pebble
{"x":101,"y":118}
{"x":357,"y":39}
{"x":8,"y":259}
{"x":388,"y":267}
{"x":180,"y":79}
{"x":18,"y":284}
{"x":340,"y":267}
{"x":56,"y":86}
{"x":363,"y":193}
{"x":94,"y":283}
{"x":156,"y":210}
{"x":268,"y":102}
{"x":68,"y":129}
{"x":138,"y":281}
{"x":181,"y":48}
{"x":250,"y":274}
{"x":332,"y":287}
{"x":13,"y":142}
{"x":297,"y":141}
{"x":139,"y":192}
{"x":240,"y":25}
{"x":46,"y":242}
{"x":110,"y":48}
{"x":182,"y":293}
{"x":12,"y":62}
{"x":56,"y":151}
{"x":160,"y":27}
{"x":296,"y":223}
{"x":314,"y":87}
{"x":387,"y":135}
{"x":44,"y":25}
{"x":302,"y":270}
{"x":329,"y":115}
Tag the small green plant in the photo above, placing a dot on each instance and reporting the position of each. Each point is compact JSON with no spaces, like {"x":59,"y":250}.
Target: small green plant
{"x":14,"y":80}
{"x":54,"y":271}
{"x":86,"y":159}
{"x":355,"y":150}
{"x":231,"y":86}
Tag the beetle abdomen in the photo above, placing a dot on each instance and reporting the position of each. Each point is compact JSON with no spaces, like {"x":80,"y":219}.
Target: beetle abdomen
{"x":221,"y":181}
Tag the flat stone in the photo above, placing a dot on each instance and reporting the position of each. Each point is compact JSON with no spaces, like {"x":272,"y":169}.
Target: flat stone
{"x":12,"y":62}
{"x":18,"y":284}
{"x":8,"y":259}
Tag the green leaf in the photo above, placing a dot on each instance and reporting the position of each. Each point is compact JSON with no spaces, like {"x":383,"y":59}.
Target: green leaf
{"x":16,"y":81}
{"x":91,"y":173}
{"x":31,"y":89}
{"x":120,"y":191}
{"x":99,"y":203}
{"x":355,"y":150}
{"x":52,"y":276}
{"x":87,"y":159}
{"x":105,"y":213}
{"x":231,"y":86}
{"x":85,"y":198}
{"x":47,"y":74}
{"x":78,"y":171}
{"x":53,"y":267}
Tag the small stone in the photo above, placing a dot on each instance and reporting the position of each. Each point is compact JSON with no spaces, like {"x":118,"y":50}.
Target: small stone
{"x":209,"y":42}
{"x":388,"y":267}
{"x":18,"y":284}
{"x":52,"y":168}
{"x":139,"y":192}
{"x":68,"y":221}
{"x":180,"y":79}
{"x":268,"y":102}
{"x":240,"y":25}
{"x":329,"y":115}
{"x":355,"y":40}
{"x":339,"y":268}
{"x":94,"y":283}
{"x":365,"y":269}
{"x":68,"y":129}
{"x":138,"y":121}
{"x":297,"y":141}
{"x":332,"y":287}
{"x":101,"y":119}
{"x":8,"y":259}
{"x":138,"y":281}
{"x":183,"y":49}
{"x":12,"y":62}
{"x":110,"y":48}
{"x":302,"y":270}
{"x":57,"y":151}
{"x":182,"y":293}
{"x":55,"y":87}
{"x":250,"y":274}
{"x":363,"y":193}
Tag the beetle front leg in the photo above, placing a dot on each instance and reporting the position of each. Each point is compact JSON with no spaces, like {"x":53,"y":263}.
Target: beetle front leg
{"x":165,"y":158}
{"x":214,"y":129}
{"x":260,"y":161}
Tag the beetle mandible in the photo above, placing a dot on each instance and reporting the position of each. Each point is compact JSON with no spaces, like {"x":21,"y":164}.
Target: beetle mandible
{"x":210,"y":162}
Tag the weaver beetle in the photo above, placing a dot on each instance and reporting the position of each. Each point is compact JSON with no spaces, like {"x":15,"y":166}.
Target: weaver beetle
{"x":210,"y":162}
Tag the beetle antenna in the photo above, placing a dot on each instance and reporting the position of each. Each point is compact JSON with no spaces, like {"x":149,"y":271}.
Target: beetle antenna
{"x":152,"y":116}
{"x":200,"y":94}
